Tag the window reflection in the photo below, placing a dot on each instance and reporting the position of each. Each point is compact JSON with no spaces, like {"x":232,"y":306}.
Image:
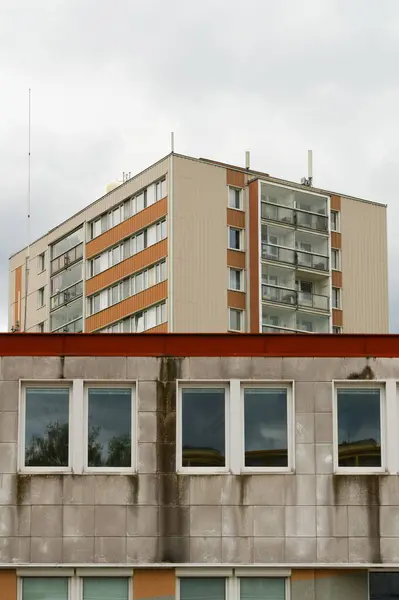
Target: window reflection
{"x":202,"y":588}
{"x":109,"y":427}
{"x":384,"y":586}
{"x":47,"y":427}
{"x":203,"y":432}
{"x":359,"y":428}
{"x":265,"y":417}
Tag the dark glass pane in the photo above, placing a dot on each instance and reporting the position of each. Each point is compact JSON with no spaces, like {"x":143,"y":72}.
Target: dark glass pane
{"x":105,"y":588}
{"x":203,"y":427}
{"x":202,"y":588}
{"x":262,"y":588}
{"x":265,"y":417}
{"x":109,"y":434}
{"x":46,"y":427}
{"x":384,"y":586}
{"x":359,"y":428}
{"x":44,"y":588}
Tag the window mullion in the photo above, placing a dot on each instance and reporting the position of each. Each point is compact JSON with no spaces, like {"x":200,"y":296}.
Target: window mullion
{"x":235,"y":433}
{"x":389,"y":421}
{"x":77,"y":431}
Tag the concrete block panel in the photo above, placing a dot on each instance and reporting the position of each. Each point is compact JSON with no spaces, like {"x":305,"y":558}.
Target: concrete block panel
{"x":237,"y":521}
{"x":147,"y":458}
{"x":9,"y":396}
{"x":115,"y":489}
{"x":146,"y":490}
{"x":323,"y":396}
{"x":304,"y":428}
{"x":8,"y":427}
{"x":15,"y":550}
{"x":234,"y":490}
{"x":305,"y":459}
{"x":142,"y":521}
{"x":236,"y":367}
{"x":46,"y":550}
{"x":78,"y":489}
{"x":173,"y":489}
{"x":205,"y":367}
{"x":15,"y":521}
{"x":313,"y":369}
{"x":206,"y":521}
{"x":46,"y":521}
{"x":300,"y":490}
{"x":267,"y":368}
{"x":48,"y":367}
{"x":332,"y":550}
{"x":8,"y":457}
{"x":110,"y":521}
{"x":359,"y":521}
{"x":8,"y":489}
{"x":364,"y":550}
{"x":325,"y":495}
{"x":324,"y":427}
{"x":78,"y":550}
{"x":300,"y":549}
{"x":300,"y":521}
{"x":78,"y":521}
{"x":142,"y":367}
{"x":110,"y":550}
{"x":389,"y":490}
{"x":207,"y":489}
{"x":141,"y":549}
{"x":95,"y":367}
{"x":389,"y":550}
{"x":147,"y":426}
{"x":332,"y":521}
{"x":238,"y":550}
{"x":147,"y":396}
{"x":269,"y":521}
{"x":269,"y":550}
{"x":357,"y":490}
{"x":207,"y":550}
{"x":304,"y":397}
{"x":324,"y":458}
{"x":265,"y":490}
{"x":42,"y":489}
{"x":389,"y":520}
{"x":174,"y":521}
{"x":17,"y":367}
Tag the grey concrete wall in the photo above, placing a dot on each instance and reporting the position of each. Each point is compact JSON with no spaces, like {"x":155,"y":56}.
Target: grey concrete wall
{"x":329,"y":585}
{"x":311,"y":516}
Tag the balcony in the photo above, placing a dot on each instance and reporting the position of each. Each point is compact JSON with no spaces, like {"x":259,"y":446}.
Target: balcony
{"x":295,"y":217}
{"x":308,"y":260}
{"x":278,"y":319}
{"x":299,"y":258}
{"x":291,"y":297}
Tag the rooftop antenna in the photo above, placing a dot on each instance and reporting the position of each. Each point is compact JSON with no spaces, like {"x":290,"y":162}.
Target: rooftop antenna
{"x":172,"y":141}
{"x":28,"y":246}
{"x":309,"y":179}
{"x":247,"y":160}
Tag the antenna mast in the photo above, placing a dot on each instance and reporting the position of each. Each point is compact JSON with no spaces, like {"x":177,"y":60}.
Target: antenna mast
{"x":28,"y":232}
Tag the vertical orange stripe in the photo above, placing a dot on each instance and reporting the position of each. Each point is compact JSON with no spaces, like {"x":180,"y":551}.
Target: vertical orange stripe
{"x":254,"y":255}
{"x":8,"y":585}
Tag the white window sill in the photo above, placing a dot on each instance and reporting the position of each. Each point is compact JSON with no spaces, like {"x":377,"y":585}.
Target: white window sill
{"x":45,"y":471}
{"x":235,"y":330}
{"x":268,"y":470}
{"x":238,"y":209}
{"x":360,"y":471}
{"x":109,"y":471}
{"x":230,"y":289}
{"x":236,"y":249}
{"x":203,"y":471}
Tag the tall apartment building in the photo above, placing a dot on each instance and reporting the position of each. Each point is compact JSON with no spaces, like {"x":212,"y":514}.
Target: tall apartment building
{"x":193,"y":245}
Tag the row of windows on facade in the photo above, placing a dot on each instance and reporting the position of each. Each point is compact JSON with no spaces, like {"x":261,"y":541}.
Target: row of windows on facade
{"x":140,"y":321}
{"x":149,"y":236}
{"x":130,"y":286}
{"x":264,"y":437}
{"x":153,"y":193}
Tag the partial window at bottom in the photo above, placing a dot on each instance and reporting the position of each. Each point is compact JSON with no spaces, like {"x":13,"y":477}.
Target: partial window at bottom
{"x":236,"y":319}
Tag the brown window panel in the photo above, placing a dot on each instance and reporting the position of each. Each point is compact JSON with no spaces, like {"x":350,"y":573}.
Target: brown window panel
{"x":236,"y":218}
{"x":337,"y":317}
{"x":337,"y":279}
{"x":254,"y":255}
{"x":129,"y":227}
{"x":336,"y":240}
{"x":335,"y":202}
{"x":127,"y":267}
{"x":119,"y":311}
{"x":236,"y":258}
{"x":236,"y":299}
{"x":235,"y":178}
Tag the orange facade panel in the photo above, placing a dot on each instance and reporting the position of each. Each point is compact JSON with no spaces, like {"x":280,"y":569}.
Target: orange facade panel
{"x":125,"y":308}
{"x":337,"y":317}
{"x":127,"y":267}
{"x":116,"y":234}
{"x":254,"y":256}
{"x":163,"y":328}
{"x":235,"y":178}
{"x":236,"y":299}
{"x":336,"y":241}
{"x":8,"y":585}
{"x":336,"y":279}
{"x":154,"y":583}
{"x":18,"y":296}
{"x":236,"y":258}
{"x":335,"y":202}
{"x":236,"y":218}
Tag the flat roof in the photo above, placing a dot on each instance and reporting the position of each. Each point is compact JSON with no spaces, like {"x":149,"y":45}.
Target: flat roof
{"x":199,"y":344}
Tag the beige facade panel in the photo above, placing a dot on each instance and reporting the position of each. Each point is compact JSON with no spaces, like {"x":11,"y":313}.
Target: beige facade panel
{"x":116,"y":234}
{"x":125,"y":308}
{"x":127,"y":267}
{"x":199,"y":293}
{"x":364,"y":267}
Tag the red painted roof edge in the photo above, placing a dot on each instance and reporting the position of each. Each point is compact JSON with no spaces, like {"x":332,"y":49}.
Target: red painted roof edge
{"x":197,"y":344}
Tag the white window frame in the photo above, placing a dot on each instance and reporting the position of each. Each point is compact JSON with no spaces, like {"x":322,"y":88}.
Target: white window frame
{"x":222,"y":383}
{"x":241,"y":238}
{"x":132,"y":385}
{"x":337,"y":253}
{"x":41,"y":297}
{"x":337,"y":292}
{"x":241,"y":271}
{"x":359,"y":384}
{"x":240,"y":192}
{"x":56,"y":383}
{"x":290,"y":387}
{"x":338,"y":220}
{"x":241,"y":319}
{"x":41,"y":262}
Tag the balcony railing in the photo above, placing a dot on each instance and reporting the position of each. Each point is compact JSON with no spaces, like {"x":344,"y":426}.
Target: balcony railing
{"x":271,"y":293}
{"x":299,"y":258}
{"x":294,"y":216}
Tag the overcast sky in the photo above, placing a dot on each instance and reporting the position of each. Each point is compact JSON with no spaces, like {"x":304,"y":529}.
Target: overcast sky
{"x":111,"y":79}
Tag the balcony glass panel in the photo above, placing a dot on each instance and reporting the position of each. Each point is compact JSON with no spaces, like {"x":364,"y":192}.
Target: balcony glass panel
{"x":275,"y":194}
{"x":73,"y":239}
{"x":272,"y":293}
{"x":313,"y":301}
{"x":69,"y":312}
{"x":312,"y":261}
{"x":270,"y":252}
{"x":311,"y":202}
{"x":277,"y":213}
{"x":312,"y":323}
{"x":310,"y":221}
{"x":275,"y":316}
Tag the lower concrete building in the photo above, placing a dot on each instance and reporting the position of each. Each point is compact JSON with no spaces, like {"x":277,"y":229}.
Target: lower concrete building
{"x":199,"y":467}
